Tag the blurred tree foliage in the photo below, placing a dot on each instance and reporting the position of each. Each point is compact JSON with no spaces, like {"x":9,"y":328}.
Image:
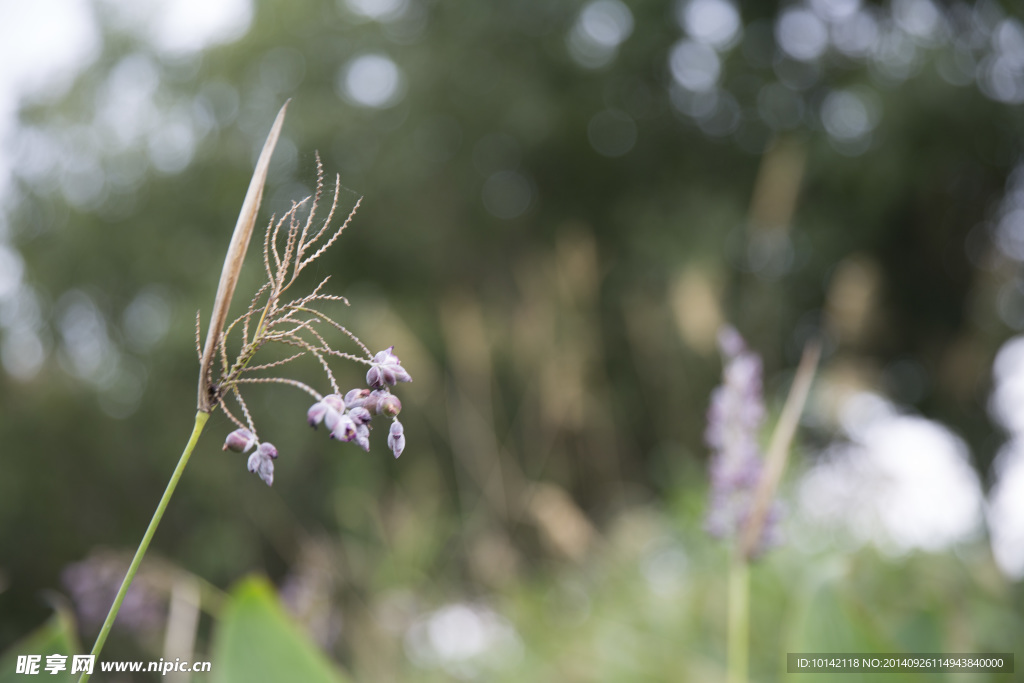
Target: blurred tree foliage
{"x":549,"y":242}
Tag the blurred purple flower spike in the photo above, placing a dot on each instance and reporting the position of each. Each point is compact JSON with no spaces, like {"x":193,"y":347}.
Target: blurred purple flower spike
{"x":734,"y":418}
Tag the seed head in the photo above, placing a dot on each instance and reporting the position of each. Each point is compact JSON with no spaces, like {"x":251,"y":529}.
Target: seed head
{"x":290,"y":244}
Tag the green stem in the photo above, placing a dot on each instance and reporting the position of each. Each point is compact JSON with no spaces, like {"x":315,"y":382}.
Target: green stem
{"x":738,"y":642}
{"x":201,"y":418}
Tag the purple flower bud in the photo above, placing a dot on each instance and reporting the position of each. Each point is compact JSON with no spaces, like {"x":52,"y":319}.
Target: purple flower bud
{"x":316,"y":413}
{"x":389,"y":405}
{"x":262,"y":463}
{"x":356,"y":397}
{"x":335,"y":409}
{"x":331,"y":419}
{"x":396,"y":438}
{"x":386,"y":356}
{"x":371,"y":401}
{"x":326,"y":410}
{"x":239,"y":441}
{"x":266,"y":448}
{"x":344,"y":428}
{"x":335,"y":402}
{"x":360,"y":415}
{"x":363,"y":436}
{"x":386,"y":370}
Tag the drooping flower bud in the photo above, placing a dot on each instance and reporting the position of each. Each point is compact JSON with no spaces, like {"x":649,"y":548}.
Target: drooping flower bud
{"x":374,"y":378}
{"x":371,"y":401}
{"x":356,"y":397}
{"x":326,"y":410}
{"x":389,"y":405}
{"x":386,"y":370}
{"x":239,"y":441}
{"x":362,"y":436}
{"x":335,"y":409}
{"x":396,"y":438}
{"x":344,"y":428}
{"x":360,"y":415}
{"x":315,"y":414}
{"x":261,"y":462}
{"x":335,"y":402}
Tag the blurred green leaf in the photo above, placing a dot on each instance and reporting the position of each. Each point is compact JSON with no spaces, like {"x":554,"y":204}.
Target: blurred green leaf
{"x":256,"y":641}
{"x":833,"y":623}
{"x":56,"y":636}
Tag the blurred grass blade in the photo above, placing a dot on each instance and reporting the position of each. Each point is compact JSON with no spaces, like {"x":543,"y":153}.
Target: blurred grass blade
{"x":234,"y":259}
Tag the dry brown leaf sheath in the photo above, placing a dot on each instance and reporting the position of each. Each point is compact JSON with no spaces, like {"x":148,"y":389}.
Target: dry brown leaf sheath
{"x":233,"y":263}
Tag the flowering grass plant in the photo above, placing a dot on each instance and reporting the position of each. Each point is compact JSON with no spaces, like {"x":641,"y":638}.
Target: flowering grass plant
{"x":277,"y":316}
{"x":744,"y":481}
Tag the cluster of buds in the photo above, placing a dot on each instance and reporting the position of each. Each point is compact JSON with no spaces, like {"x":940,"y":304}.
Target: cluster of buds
{"x":734,"y":418}
{"x":289,"y":246}
{"x":348,"y":417}
{"x":261,"y":461}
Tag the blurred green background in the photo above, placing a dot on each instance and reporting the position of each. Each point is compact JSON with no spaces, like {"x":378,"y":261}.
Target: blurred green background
{"x":563,"y":201}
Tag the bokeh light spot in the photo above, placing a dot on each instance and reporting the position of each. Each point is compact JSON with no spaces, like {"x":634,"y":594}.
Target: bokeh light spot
{"x":801,"y":34}
{"x":595,"y":37}
{"x":377,"y":10}
{"x":606,"y":22}
{"x":372,"y":80}
{"x":713,"y":22}
{"x":835,"y":10}
{"x":694,"y":66}
{"x":849,"y":116}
